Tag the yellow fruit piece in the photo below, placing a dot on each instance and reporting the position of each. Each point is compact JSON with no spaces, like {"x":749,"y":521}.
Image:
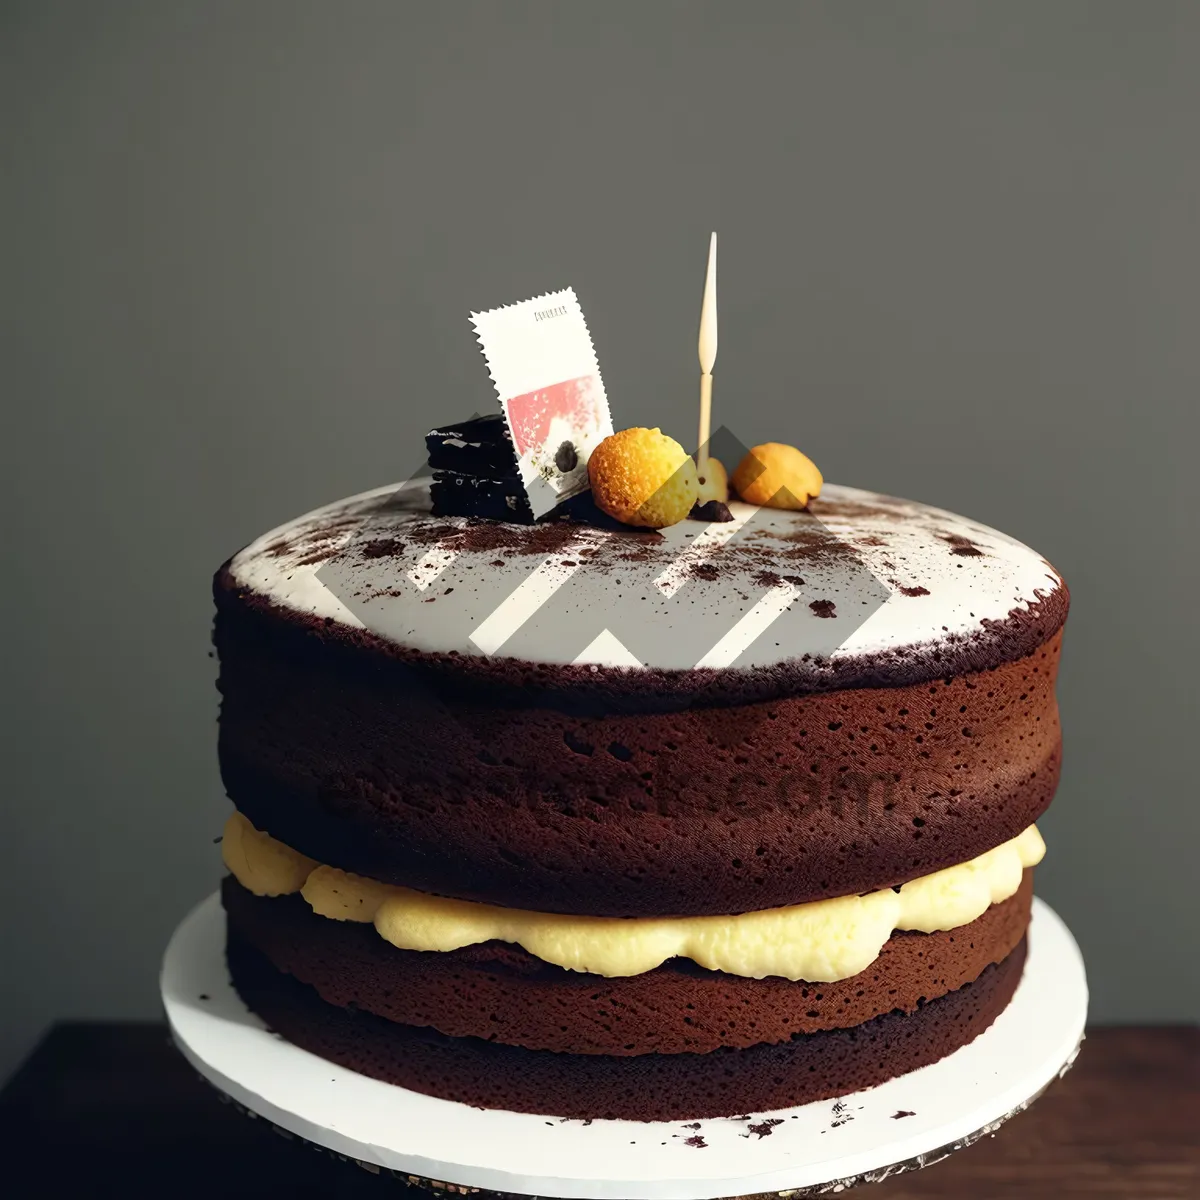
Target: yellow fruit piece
{"x":714,"y":483}
{"x":642,"y":477}
{"x":777,"y":476}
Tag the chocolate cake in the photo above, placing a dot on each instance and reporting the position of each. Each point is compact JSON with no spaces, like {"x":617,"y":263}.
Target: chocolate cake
{"x":601,"y":822}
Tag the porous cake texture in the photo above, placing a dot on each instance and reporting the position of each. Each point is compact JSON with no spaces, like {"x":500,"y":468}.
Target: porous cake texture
{"x":807,"y":741}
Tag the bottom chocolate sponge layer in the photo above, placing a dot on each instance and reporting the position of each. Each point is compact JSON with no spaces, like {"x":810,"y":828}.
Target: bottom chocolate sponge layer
{"x":648,"y":1087}
{"x":501,"y":993}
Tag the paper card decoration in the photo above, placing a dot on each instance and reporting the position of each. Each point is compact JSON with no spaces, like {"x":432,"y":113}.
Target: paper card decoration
{"x":541,"y":359}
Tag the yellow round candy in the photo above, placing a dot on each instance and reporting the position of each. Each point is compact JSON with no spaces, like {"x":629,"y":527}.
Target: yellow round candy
{"x":777,"y":476}
{"x":642,"y":477}
{"x":714,"y":482}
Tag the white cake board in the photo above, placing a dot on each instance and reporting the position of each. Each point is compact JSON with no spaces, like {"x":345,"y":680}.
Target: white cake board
{"x":824,"y":1146}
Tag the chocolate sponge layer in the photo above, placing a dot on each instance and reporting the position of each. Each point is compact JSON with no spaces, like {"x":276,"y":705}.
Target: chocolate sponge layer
{"x":645,"y":1087}
{"x":521,"y":799}
{"x":501,"y":993}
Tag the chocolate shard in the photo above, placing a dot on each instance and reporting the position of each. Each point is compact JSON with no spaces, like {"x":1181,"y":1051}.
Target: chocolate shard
{"x":712,"y":510}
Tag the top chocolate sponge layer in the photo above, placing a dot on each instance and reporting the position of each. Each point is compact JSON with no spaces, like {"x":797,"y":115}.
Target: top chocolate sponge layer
{"x":390,"y":708}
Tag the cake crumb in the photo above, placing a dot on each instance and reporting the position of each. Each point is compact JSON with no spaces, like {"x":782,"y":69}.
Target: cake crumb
{"x":763,"y":1128}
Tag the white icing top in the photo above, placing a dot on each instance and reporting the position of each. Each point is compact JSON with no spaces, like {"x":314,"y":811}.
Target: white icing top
{"x":859,"y":574}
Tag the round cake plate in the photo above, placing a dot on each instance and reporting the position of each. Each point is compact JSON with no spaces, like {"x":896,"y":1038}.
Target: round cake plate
{"x":816,"y":1148}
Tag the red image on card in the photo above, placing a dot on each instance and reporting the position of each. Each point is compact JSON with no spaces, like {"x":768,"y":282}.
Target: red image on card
{"x":554,"y":430}
{"x":573,"y":406}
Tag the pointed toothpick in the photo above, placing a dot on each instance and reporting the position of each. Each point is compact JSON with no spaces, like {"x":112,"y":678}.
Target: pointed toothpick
{"x":708,"y":354}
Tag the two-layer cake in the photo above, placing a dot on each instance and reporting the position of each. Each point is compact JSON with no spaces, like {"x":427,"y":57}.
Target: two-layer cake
{"x":593,"y":822}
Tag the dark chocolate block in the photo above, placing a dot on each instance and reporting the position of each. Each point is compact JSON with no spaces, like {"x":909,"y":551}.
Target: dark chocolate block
{"x":455,"y":494}
{"x":480,"y":446}
{"x":475,"y":472}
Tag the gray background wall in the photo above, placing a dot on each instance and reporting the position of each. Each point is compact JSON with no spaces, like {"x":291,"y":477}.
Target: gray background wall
{"x":960,"y":262}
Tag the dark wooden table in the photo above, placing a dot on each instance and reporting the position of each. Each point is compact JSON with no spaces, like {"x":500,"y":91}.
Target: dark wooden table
{"x":114,"y":1110}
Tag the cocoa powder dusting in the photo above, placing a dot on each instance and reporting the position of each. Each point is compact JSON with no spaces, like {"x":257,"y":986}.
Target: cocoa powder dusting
{"x":962,"y":546}
{"x":383,"y":548}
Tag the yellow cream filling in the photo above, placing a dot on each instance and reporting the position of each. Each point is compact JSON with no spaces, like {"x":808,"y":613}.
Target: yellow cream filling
{"x":822,"y":941}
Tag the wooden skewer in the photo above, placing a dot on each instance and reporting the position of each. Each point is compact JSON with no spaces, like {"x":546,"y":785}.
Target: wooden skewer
{"x":708,"y":355}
